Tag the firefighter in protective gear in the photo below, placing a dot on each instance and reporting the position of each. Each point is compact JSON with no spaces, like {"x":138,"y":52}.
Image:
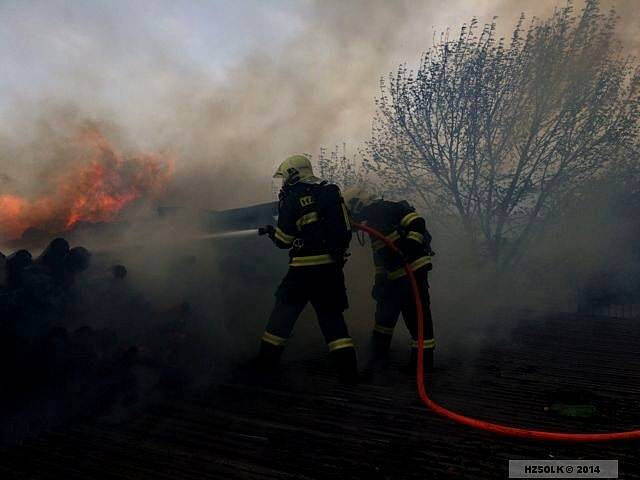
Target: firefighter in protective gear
{"x":400,"y":223}
{"x":313,"y":224}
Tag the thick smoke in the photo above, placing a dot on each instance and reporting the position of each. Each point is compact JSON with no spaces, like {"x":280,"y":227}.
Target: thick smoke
{"x":226,"y":92}
{"x":229,"y":91}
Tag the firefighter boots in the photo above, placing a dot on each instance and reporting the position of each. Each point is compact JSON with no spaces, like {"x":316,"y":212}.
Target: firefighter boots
{"x":427,"y":355}
{"x":346,"y":364}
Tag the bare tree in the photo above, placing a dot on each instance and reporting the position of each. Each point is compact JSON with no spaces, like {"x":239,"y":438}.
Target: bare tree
{"x":338,"y":168}
{"x":501,"y":135}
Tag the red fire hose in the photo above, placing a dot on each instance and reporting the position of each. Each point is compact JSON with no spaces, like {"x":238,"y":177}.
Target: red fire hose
{"x":473,"y":422}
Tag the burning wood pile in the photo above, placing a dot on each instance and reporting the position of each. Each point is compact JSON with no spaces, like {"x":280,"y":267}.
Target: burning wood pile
{"x":97,"y":181}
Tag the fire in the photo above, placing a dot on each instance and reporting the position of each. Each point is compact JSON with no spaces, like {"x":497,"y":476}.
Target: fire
{"x":100,"y":185}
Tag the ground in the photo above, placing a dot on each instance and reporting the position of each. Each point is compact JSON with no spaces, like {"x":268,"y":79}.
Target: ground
{"x":307,"y":426}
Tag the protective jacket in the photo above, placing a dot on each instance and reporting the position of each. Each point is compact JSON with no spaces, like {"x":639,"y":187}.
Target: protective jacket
{"x":313,"y":223}
{"x":400,"y":223}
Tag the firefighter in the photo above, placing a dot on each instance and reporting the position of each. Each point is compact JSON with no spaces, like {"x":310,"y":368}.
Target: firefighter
{"x":314,"y":226}
{"x":400,"y":223}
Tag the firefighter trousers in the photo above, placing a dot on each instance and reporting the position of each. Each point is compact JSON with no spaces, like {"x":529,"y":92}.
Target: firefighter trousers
{"x":396,"y":298}
{"x":321,"y":285}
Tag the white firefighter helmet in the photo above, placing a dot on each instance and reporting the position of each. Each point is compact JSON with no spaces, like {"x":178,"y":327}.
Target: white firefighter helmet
{"x":356,"y":198}
{"x":296,"y":169}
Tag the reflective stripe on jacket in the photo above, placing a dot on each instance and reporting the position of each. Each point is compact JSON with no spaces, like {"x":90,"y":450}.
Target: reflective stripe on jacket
{"x":399,"y":222}
{"x":300,"y":226}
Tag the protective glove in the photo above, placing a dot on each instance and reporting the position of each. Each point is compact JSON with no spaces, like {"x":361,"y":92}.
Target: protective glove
{"x":269,"y":230}
{"x":431,"y":253}
{"x":340,"y":256}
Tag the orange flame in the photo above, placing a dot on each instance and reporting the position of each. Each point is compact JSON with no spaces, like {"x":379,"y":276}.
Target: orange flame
{"x":96,"y":190}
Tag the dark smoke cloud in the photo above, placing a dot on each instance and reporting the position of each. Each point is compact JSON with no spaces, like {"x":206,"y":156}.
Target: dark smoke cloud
{"x":280,"y":78}
{"x":227,"y":100}
{"x":228,"y":92}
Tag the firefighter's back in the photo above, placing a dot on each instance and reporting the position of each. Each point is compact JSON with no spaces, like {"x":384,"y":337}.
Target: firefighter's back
{"x":314,"y":219}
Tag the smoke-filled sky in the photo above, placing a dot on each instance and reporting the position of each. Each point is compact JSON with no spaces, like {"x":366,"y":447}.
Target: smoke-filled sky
{"x":227,"y":88}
